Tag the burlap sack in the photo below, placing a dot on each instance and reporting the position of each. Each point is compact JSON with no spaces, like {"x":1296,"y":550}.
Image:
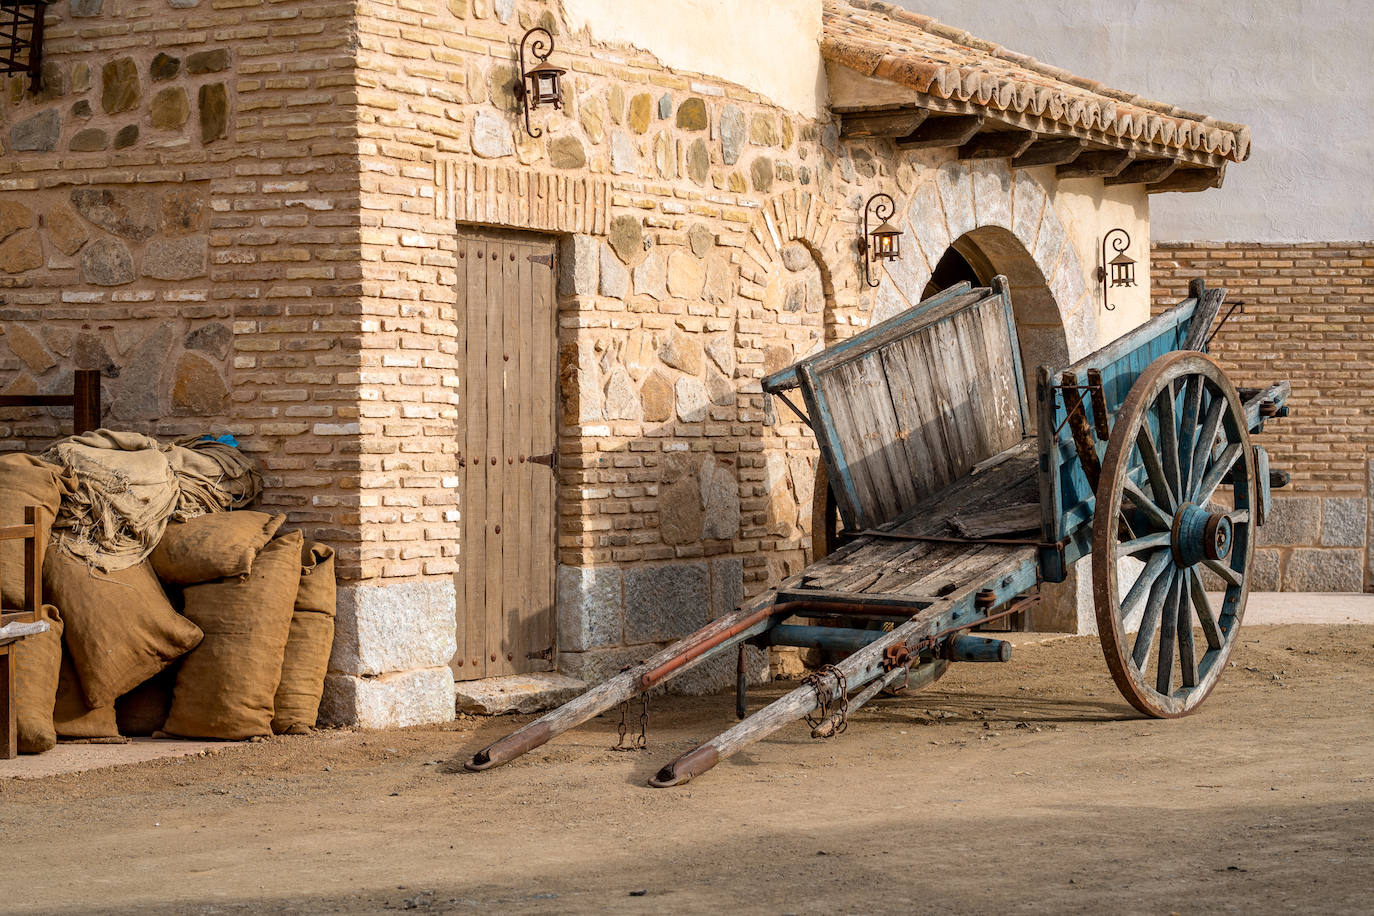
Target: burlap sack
{"x":143,"y":710}
{"x":72,"y":716}
{"x":25,"y":481}
{"x":215,"y":546}
{"x":225,"y":688}
{"x":306,"y":659}
{"x":120,"y":627}
{"x":37,"y":660}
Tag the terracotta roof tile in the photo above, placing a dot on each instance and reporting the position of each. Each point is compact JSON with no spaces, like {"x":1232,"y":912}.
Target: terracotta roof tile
{"x":887,"y":42}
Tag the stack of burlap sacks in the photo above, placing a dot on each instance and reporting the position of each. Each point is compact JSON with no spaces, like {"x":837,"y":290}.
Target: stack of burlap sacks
{"x":222,"y":631}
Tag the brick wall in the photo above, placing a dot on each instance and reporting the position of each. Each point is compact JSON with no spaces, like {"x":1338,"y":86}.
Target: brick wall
{"x":1309,"y":318}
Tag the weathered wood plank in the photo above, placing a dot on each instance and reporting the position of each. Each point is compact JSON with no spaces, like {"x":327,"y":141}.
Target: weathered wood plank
{"x":1096,"y":164}
{"x":1050,"y":152}
{"x":899,"y":123}
{"x":1002,"y":144}
{"x":1144,"y":172}
{"x":935,"y":133}
{"x":1190,"y":179}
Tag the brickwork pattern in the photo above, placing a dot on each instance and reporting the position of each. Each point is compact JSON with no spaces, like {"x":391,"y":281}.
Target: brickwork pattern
{"x":1309,"y":318}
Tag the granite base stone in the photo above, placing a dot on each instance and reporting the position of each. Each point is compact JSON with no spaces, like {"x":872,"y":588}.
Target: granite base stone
{"x":423,"y":696}
{"x":666,"y":602}
{"x":1311,"y":570}
{"x":591,"y":607}
{"x":384,"y":628}
{"x":517,"y":693}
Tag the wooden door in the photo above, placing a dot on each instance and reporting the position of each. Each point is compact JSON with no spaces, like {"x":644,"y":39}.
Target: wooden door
{"x":507,"y":445}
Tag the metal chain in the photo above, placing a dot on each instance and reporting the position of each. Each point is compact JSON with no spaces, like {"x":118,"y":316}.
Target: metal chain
{"x":641,"y":741}
{"x":826,"y":707}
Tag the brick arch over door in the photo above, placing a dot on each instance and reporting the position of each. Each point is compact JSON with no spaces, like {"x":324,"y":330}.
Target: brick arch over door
{"x":1010,"y":218}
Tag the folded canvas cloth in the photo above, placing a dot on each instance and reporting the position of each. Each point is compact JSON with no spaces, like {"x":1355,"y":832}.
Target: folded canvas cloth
{"x":213,"y":476}
{"x":124,"y":493}
{"x":128,"y":486}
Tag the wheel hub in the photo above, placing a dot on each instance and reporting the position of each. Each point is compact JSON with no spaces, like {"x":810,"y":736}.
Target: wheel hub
{"x":1199,"y":534}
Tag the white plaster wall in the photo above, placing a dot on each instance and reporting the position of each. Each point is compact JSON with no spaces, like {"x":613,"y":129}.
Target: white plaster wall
{"x":771,"y":47}
{"x":1294,"y":70}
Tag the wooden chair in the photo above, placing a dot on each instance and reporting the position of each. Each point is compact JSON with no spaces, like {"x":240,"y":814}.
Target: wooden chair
{"x":15,"y":624}
{"x":84,"y":400}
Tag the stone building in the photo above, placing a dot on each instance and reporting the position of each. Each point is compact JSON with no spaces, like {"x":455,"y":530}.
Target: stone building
{"x":515,"y":380}
{"x":1291,"y":236}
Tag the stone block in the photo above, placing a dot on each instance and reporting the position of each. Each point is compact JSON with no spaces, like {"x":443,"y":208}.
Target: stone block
{"x":164,"y":67}
{"x":65,"y":229}
{"x":567,"y":152}
{"x":600,"y":665}
{"x":1311,"y":570}
{"x":719,"y":500}
{"x":90,"y":140}
{"x":761,"y":174}
{"x":170,"y":108}
{"x":516,"y":693}
{"x":176,"y":259}
{"x":651,"y":277}
{"x":692,"y":400}
{"x":691,"y":114}
{"x":381,"y":628}
{"x":956,"y":193}
{"x":626,"y":238}
{"x":13,"y":217}
{"x":615,"y":279}
{"x":622,"y":398}
{"x":38,"y":133}
{"x":1264,"y":571}
{"x":212,"y":61}
{"x":1344,"y":520}
{"x":107,"y":262}
{"x":1294,"y":520}
{"x":21,"y":251}
{"x":591,"y":607}
{"x":685,"y":275}
{"x":992,"y":192}
{"x":732,"y":134}
{"x":213,"y":99}
{"x":197,"y":389}
{"x":126,"y":136}
{"x":119,"y":85}
{"x":641,"y":113}
{"x":624,"y":154}
{"x":129,"y":213}
{"x":422,"y":696}
{"x":577,"y":266}
{"x":698,"y":161}
{"x":665,"y":602}
{"x":727,"y":585}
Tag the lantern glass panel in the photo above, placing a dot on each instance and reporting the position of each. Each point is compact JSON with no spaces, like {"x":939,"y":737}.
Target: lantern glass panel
{"x":886,"y":242}
{"x":1123,"y":271}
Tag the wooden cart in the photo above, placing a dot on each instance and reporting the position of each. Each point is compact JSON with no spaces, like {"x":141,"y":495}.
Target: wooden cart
{"x":958,"y":497}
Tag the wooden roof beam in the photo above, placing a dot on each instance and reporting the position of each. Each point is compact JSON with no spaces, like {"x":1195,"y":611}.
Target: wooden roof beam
{"x":943,"y":132}
{"x":1144,"y":172}
{"x":1002,"y":144}
{"x":1189,"y":180}
{"x":900,"y":123}
{"x":1097,"y":164}
{"x":1049,"y":152}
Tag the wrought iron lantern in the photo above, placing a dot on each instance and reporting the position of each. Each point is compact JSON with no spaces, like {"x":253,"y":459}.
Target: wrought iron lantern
{"x":882,"y":242}
{"x":1120,"y":270}
{"x":21,"y":39}
{"x":539,"y":85}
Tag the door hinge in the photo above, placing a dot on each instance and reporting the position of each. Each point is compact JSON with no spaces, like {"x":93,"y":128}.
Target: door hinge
{"x":545,"y":259}
{"x":550,"y":460}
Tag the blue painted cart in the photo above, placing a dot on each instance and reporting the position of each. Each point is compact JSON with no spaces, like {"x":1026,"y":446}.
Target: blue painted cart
{"x":959,"y":495}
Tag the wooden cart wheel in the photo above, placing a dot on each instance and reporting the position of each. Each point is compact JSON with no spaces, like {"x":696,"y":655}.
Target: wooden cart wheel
{"x":1180,"y":435}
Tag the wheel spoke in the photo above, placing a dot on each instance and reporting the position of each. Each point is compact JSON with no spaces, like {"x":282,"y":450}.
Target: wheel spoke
{"x":1158,"y":562}
{"x":1202,"y":452}
{"x":1225,"y":572}
{"x":1187,"y":434}
{"x":1168,"y":439}
{"x":1203,"y":605}
{"x":1187,"y":659}
{"x":1149,"y":457}
{"x":1158,"y":516}
{"x":1145,"y":542}
{"x":1149,"y":621}
{"x":1218,"y":471}
{"x":1168,"y":632}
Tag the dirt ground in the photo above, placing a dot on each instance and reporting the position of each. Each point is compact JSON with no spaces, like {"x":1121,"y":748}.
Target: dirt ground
{"x":1026,"y":787}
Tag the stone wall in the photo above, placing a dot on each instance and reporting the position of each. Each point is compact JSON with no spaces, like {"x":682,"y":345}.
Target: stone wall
{"x":1309,"y":318}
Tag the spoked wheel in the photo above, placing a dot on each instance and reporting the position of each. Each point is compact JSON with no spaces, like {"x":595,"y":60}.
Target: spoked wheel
{"x":1180,"y":435}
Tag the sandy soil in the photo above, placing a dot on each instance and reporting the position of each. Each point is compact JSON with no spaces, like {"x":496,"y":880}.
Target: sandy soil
{"x":1028,"y":787}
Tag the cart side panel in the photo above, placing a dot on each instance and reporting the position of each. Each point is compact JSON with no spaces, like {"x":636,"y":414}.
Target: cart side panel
{"x":1066,"y":496}
{"x":915,"y":405}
